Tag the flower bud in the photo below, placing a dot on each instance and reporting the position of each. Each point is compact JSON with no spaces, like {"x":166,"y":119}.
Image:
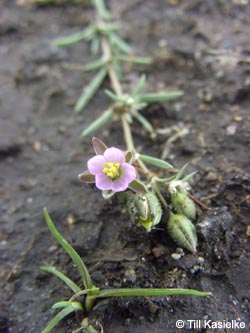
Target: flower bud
{"x":182,"y":231}
{"x":183,"y":205}
{"x":145,"y":210}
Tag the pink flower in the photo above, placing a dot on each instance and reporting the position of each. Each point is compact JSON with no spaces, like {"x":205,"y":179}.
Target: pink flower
{"x":111,"y":170}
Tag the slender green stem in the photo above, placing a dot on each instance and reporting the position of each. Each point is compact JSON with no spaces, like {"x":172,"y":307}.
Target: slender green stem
{"x":119,"y":92}
{"x":128,"y":134}
{"x":160,"y":196}
{"x":116,"y":84}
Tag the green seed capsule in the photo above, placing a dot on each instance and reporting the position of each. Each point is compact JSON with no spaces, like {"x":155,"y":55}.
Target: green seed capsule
{"x":145,"y":210}
{"x":183,"y":205}
{"x":182,"y":231}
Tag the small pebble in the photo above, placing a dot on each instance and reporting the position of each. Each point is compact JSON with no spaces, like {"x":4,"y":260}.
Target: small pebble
{"x":52,"y":248}
{"x":157,"y":251}
{"x":201,"y":260}
{"x":211,"y":176}
{"x":130,"y":275}
{"x":195,"y":269}
{"x":231,"y":129}
{"x":176,"y":256}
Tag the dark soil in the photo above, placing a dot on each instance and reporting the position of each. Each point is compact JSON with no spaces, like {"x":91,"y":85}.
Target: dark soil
{"x":201,"y":47}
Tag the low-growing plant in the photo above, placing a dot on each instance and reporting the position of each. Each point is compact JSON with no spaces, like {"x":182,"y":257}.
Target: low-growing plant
{"x":92,"y":294}
{"x":113,"y":170}
{"x":151,"y":196}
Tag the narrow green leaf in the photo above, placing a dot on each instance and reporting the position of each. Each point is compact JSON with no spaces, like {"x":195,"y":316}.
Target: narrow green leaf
{"x":74,"y":38}
{"x":95,"y":45}
{"x":118,"y":69}
{"x":112,"y":96}
{"x":145,"y":123}
{"x":66,"y":311}
{"x":188,"y":177}
{"x":100,"y":121}
{"x":120,"y":43}
{"x":64,"y":278}
{"x":99,"y":146}
{"x":129,"y":118}
{"x":92,"y":291}
{"x":135,"y":59}
{"x":94,"y":65}
{"x":138,"y":186}
{"x":63,"y":304}
{"x":90,"y":90}
{"x":128,"y":292}
{"x":140,"y":85}
{"x":161,"y":97}
{"x":102,"y":10}
{"x":181,"y":172}
{"x":156,"y":162}
{"x":87,"y":282}
{"x":109,"y":27}
{"x":60,"y":305}
{"x":162,"y":180}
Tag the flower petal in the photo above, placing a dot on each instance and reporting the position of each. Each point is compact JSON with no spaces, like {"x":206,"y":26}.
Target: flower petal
{"x":96,"y":164}
{"x":114,"y":155}
{"x":103,"y":182}
{"x":128,"y":172}
{"x":119,"y":185}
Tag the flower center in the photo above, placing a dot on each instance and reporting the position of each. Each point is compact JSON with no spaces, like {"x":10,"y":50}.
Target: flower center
{"x":112,"y":170}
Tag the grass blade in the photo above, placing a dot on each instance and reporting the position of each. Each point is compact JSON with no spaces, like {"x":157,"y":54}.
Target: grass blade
{"x":161,"y":97}
{"x":64,"y":304}
{"x":65,"y":312}
{"x":128,"y":292}
{"x":156,"y":162}
{"x":87,"y":282}
{"x":100,"y":121}
{"x":90,"y":90}
{"x":64,"y":278}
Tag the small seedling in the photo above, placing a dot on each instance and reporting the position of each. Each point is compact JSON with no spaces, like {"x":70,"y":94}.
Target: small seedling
{"x":92,"y":293}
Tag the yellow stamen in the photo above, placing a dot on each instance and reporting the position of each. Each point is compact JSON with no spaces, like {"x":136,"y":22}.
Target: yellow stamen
{"x":112,"y":170}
